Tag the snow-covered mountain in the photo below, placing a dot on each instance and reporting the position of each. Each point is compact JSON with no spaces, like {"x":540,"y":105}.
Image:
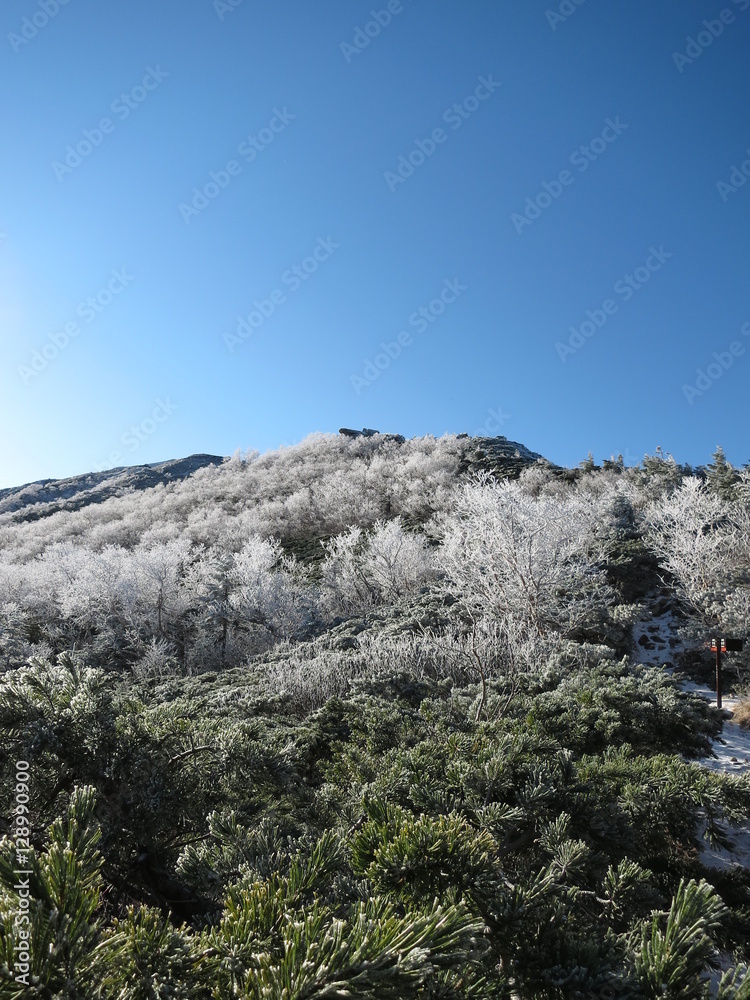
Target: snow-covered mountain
{"x":47,"y":496}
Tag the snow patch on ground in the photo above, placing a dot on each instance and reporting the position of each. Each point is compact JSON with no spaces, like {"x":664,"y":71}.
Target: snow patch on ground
{"x":726,"y":860}
{"x":656,"y":640}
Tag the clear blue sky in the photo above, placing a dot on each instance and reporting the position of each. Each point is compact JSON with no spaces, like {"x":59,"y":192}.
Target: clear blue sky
{"x":115,"y":115}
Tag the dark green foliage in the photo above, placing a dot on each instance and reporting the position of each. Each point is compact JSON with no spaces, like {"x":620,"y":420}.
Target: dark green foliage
{"x":64,"y":883}
{"x":671,"y":955}
{"x":383,"y":846}
{"x":631,"y":566}
{"x":662,"y":469}
{"x":616,"y":703}
{"x":722,"y":477}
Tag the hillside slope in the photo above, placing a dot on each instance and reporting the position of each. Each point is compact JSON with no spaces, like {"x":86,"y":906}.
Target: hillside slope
{"x":48,"y":496}
{"x":348,"y":719}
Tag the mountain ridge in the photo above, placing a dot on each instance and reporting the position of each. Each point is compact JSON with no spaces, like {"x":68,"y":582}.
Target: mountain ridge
{"x":44,"y":497}
{"x":75,"y":492}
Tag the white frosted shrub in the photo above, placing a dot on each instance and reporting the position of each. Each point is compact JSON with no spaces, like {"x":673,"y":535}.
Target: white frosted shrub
{"x":361,"y":571}
{"x":533,"y":560}
{"x":704,"y":542}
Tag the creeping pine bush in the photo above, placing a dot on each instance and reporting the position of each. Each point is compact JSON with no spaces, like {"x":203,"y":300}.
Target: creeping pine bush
{"x":464,"y":653}
{"x":308,"y":675}
{"x":381,"y":845}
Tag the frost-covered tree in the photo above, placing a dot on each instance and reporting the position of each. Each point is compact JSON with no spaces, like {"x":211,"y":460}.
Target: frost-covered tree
{"x":345,"y":586}
{"x":704,"y":543}
{"x":96,"y":594}
{"x":15,"y":627}
{"x":721,"y":476}
{"x":269,"y":589}
{"x":490,"y":649}
{"x":534,"y":559}
{"x":361,"y":570}
{"x":159,"y":572}
{"x":397,"y":561}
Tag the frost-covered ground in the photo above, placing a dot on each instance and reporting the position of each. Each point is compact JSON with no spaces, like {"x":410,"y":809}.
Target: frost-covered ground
{"x":656,"y":642}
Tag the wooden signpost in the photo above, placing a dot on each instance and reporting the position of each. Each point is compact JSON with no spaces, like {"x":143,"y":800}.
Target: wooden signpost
{"x":719,"y":646}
